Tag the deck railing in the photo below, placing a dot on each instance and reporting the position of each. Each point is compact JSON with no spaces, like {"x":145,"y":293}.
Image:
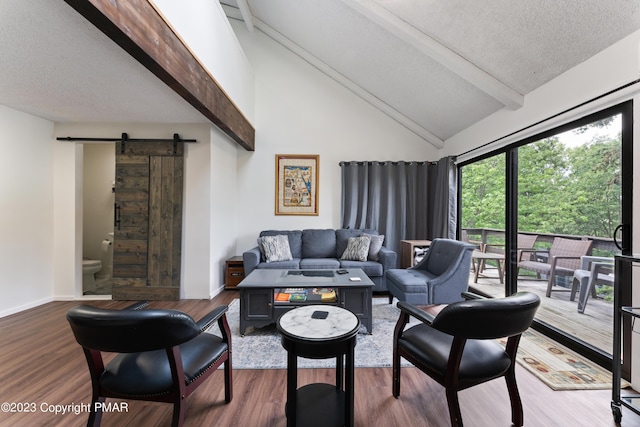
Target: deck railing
{"x":602,"y":246}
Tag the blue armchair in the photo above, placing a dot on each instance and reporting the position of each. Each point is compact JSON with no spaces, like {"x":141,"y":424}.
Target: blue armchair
{"x":440,"y":278}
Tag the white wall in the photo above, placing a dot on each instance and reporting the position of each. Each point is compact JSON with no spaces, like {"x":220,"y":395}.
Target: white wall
{"x":209,"y":161}
{"x":26,"y":218}
{"x":203,"y":26}
{"x":300,"y":110}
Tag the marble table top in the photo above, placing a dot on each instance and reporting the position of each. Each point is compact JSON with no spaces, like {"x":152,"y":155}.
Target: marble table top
{"x":299,"y":323}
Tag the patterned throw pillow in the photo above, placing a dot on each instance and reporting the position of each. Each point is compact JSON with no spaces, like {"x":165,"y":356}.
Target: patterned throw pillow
{"x":376,"y":245}
{"x":276,"y":248}
{"x":357,"y":249}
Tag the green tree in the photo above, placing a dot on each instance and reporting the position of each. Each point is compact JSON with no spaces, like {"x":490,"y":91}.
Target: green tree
{"x":596,"y":182}
{"x":561,"y":190}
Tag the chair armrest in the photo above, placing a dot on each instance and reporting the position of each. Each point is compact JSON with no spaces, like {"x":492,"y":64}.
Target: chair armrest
{"x":250,"y":260}
{"x":387,"y":258}
{"x":137,"y":305}
{"x":414,"y":311}
{"x":212,"y":317}
{"x":471,"y":295}
{"x":601,"y":268}
{"x":588,"y":259}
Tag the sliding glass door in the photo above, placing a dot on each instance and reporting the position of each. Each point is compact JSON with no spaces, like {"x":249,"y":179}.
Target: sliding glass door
{"x":547,"y":203}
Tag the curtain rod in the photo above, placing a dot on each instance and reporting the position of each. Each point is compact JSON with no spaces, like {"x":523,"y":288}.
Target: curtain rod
{"x":386,"y":162}
{"x":582,"y":104}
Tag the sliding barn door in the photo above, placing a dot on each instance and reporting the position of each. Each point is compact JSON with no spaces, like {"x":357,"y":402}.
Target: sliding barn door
{"x":148,"y":220}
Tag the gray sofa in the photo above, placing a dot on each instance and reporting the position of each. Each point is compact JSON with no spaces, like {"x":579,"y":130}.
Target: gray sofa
{"x":314,"y":249}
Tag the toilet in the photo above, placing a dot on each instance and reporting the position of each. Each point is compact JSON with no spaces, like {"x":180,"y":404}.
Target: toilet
{"x":89,"y":269}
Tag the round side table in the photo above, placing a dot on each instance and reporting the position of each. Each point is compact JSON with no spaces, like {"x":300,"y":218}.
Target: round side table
{"x":320,"y":332}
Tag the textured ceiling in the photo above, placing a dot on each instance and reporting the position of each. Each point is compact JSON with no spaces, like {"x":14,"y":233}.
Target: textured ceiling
{"x":437,"y":67}
{"x":56,"y":65}
{"x":440,"y":66}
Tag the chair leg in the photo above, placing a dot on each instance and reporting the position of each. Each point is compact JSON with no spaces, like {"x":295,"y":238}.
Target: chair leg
{"x":552,"y":280}
{"x":95,"y":416}
{"x":517,"y":416}
{"x":454,"y":407}
{"x":178,"y":412}
{"x":396,"y":375}
{"x":228,"y":382}
{"x":575,"y":286}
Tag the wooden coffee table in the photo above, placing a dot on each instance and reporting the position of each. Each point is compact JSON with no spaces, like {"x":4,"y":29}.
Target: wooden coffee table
{"x":259,"y":307}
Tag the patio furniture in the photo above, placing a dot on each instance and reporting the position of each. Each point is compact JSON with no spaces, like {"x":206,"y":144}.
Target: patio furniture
{"x":563,"y":260}
{"x":438,"y":279}
{"x":458,"y":347}
{"x":594,"y":270}
{"x":481,"y":258}
{"x":525,"y":242}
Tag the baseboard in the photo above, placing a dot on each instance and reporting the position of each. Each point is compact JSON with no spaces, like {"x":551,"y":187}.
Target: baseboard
{"x":24,"y":307}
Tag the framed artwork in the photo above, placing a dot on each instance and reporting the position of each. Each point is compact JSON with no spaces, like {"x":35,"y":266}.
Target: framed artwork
{"x":297,"y":184}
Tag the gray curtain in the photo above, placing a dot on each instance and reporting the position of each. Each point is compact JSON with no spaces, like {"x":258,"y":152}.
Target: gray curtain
{"x":402,"y":200}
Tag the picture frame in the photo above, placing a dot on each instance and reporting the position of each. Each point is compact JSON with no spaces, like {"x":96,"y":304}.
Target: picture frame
{"x":297,"y":184}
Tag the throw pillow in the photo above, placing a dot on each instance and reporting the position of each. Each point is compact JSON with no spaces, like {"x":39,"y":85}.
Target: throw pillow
{"x":376,"y":245}
{"x":357,"y":249}
{"x":276,"y":248}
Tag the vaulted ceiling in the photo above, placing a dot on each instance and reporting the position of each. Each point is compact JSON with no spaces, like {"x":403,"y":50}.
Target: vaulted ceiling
{"x":435,"y":66}
{"x":441,"y":66}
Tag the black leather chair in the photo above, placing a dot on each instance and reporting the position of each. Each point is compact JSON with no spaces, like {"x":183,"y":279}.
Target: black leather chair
{"x":155,"y":347}
{"x":457,"y":348}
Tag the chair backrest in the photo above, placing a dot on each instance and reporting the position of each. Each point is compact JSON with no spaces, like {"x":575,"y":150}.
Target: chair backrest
{"x":443,"y":253}
{"x":488,"y":318}
{"x":130,"y":331}
{"x":526,"y":241}
{"x":571,"y":248}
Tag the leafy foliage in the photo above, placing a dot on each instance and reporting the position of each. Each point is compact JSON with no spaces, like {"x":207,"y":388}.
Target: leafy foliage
{"x":561,"y":190}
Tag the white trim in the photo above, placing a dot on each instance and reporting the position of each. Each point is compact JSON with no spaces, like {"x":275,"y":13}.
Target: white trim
{"x":32,"y":304}
{"x":599,"y":104}
{"x":349,"y":84}
{"x":438,"y":52}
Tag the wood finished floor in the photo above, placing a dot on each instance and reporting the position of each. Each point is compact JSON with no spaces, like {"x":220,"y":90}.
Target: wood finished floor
{"x":40,"y":362}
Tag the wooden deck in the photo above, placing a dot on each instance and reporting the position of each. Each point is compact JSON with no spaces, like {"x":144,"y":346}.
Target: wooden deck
{"x":594,"y":326}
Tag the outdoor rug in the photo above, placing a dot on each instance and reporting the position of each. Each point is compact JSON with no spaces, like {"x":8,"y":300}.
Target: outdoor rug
{"x":260,"y":348}
{"x":558,"y":367}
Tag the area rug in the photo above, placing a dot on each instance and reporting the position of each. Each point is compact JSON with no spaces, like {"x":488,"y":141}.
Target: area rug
{"x":260,"y":348}
{"x":558,"y":367}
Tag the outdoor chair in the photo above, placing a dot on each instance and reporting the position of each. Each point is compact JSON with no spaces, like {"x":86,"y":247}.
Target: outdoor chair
{"x":563,"y":260}
{"x":163,"y":355}
{"x":440,"y":278}
{"x":525,"y":242}
{"x":458,"y":347}
{"x":594,"y":269}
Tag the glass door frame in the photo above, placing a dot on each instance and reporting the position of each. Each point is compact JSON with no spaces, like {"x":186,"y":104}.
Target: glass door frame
{"x":598,"y":356}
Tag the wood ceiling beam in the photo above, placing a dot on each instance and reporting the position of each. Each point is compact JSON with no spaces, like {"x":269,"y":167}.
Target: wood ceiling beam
{"x":438,"y":52}
{"x":138,"y":28}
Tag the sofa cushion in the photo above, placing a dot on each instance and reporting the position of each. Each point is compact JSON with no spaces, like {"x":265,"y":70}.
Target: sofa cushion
{"x":293,"y":264}
{"x":342,"y":239}
{"x":371,"y":268}
{"x":375,"y":246}
{"x":295,"y":240}
{"x":357,"y":249}
{"x":343,"y":234}
{"x":319,"y":263}
{"x":319,"y":243}
{"x":276,"y":248}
